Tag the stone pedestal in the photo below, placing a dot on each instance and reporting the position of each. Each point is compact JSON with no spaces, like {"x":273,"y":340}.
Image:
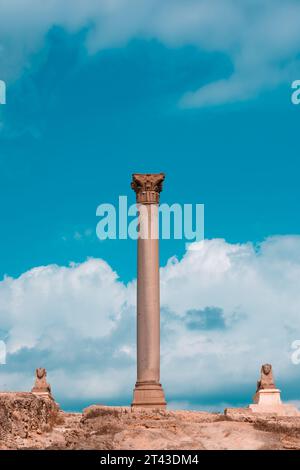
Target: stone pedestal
{"x":45,"y":394}
{"x":267,"y":397}
{"x":148,"y":395}
{"x":148,"y":392}
{"x":269,"y":401}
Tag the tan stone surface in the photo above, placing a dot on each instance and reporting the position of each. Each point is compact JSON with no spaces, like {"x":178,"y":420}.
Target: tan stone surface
{"x":267,"y":397}
{"x":147,"y":187}
{"x":108,"y":428}
{"x":24,"y":413}
{"x":148,"y":395}
{"x":279,"y":410}
{"x":148,"y":391}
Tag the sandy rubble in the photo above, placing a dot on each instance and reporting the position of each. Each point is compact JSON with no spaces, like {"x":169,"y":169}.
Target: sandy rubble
{"x":30,"y":422}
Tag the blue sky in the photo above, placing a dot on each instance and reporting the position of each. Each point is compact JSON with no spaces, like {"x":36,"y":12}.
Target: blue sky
{"x":77,"y":128}
{"x":97,"y":94}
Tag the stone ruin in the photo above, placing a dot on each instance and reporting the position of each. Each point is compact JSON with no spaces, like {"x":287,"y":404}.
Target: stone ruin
{"x":267,"y":398}
{"x":41,"y":386}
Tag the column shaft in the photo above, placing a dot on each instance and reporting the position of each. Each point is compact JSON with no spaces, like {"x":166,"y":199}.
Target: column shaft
{"x":148,"y":304}
{"x":148,"y":391}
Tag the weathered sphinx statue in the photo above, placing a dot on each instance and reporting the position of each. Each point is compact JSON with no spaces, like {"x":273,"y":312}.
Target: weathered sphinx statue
{"x":267,"y":397}
{"x":41,"y":385}
{"x":266,"y":378}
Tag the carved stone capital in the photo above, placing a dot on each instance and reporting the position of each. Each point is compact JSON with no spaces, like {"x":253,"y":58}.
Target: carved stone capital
{"x":147,"y":187}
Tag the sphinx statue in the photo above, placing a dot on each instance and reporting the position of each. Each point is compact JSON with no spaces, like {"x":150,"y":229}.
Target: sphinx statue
{"x":41,"y":385}
{"x":266,"y":378}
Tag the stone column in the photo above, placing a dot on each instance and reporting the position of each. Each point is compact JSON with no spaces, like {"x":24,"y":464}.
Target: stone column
{"x":148,"y":391}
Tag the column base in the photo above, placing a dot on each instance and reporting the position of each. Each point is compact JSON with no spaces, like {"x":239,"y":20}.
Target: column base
{"x":148,"y":395}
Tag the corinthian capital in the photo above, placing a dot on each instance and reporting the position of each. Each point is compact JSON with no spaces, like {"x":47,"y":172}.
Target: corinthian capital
{"x":147,"y":187}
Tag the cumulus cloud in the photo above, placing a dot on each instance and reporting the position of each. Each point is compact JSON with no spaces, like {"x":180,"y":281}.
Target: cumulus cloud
{"x":225,"y":310}
{"x":51,"y":302}
{"x":262,"y":39}
{"x":256,"y":290}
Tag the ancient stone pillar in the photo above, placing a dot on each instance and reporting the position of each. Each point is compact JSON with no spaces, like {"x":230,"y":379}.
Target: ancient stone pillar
{"x":148,"y":391}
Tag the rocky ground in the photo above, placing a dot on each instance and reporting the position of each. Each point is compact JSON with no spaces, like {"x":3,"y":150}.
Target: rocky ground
{"x":30,"y":422}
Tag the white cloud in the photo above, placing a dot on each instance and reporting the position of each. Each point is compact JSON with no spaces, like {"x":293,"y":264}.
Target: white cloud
{"x":258,"y":292}
{"x":51,"y":303}
{"x":79,"y":323}
{"x":262,"y":39}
